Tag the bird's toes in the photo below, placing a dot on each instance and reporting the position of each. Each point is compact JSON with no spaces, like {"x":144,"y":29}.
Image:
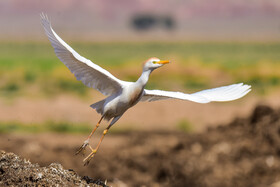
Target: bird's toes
{"x":87,"y":160}
{"x":82,"y":148}
{"x":89,"y":157}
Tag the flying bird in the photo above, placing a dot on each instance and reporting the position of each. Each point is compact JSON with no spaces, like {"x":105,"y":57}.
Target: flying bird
{"x":122,"y":95}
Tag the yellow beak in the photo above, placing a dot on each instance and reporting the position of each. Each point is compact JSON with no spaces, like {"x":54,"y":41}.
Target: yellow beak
{"x":163,"y":62}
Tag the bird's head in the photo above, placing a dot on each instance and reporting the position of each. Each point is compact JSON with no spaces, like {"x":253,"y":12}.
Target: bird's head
{"x":154,"y":63}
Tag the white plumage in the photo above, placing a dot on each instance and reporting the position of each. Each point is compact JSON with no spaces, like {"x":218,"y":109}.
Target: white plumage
{"x":89,"y":73}
{"x":122,"y":94}
{"x":224,"y":93}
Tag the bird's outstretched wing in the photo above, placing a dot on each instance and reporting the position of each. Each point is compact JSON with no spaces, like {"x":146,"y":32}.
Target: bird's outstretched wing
{"x":225,"y":93}
{"x":84,"y":70}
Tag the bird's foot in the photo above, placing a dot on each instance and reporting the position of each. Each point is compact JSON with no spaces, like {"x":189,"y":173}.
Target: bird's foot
{"x":89,"y":157}
{"x":83,"y":147}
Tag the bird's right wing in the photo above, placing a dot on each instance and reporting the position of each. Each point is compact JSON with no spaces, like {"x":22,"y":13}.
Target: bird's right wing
{"x":225,"y":93}
{"x":84,"y":70}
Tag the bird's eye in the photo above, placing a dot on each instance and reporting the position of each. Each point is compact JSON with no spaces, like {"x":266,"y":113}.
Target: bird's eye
{"x":154,"y":62}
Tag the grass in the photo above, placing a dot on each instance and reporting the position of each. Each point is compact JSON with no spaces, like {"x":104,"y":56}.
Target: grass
{"x":62,"y":127}
{"x":24,"y":66}
{"x":56,"y":127}
{"x":71,"y":128}
{"x":185,"y":126}
{"x":40,"y":56}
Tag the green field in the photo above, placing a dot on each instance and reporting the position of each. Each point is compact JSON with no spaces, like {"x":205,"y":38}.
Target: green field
{"x":32,"y":69}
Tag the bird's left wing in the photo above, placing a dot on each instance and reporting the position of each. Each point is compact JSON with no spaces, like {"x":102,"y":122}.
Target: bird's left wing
{"x":84,"y":70}
{"x":225,"y":93}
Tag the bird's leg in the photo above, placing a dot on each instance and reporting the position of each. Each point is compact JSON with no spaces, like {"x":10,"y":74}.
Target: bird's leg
{"x":86,"y":142}
{"x":91,"y":155}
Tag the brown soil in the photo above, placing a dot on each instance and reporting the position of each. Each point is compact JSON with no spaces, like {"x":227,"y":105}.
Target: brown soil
{"x":245,"y":152}
{"x":145,"y":116}
{"x":15,"y":171}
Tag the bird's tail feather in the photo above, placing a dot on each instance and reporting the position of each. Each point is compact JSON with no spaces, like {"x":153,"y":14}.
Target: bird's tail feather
{"x":98,"y":106}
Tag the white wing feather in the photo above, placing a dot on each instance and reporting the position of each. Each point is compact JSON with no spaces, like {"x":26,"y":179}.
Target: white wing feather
{"x":84,"y":70}
{"x":225,"y":93}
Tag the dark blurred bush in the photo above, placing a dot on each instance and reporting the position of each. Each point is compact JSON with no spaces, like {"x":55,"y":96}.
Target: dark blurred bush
{"x":147,"y":22}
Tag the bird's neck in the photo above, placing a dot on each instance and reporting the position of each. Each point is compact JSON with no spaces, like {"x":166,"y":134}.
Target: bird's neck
{"x":143,"y":79}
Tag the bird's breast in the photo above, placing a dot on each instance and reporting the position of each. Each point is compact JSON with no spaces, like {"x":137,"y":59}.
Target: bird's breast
{"x":117,"y":105}
{"x":134,"y":96}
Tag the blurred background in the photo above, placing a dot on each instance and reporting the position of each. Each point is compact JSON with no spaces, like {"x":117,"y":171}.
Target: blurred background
{"x":209,"y":44}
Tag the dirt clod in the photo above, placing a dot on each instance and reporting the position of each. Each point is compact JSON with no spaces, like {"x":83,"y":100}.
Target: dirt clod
{"x":93,"y":181}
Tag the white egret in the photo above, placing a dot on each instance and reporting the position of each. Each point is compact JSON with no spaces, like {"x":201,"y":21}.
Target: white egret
{"x":121,"y":94}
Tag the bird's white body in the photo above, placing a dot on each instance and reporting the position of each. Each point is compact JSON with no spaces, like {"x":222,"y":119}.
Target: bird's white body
{"x":129,"y":95}
{"x":116,"y":105}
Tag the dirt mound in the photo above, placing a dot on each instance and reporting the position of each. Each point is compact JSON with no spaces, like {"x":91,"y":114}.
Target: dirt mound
{"x":15,"y":171}
{"x":245,"y":152}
